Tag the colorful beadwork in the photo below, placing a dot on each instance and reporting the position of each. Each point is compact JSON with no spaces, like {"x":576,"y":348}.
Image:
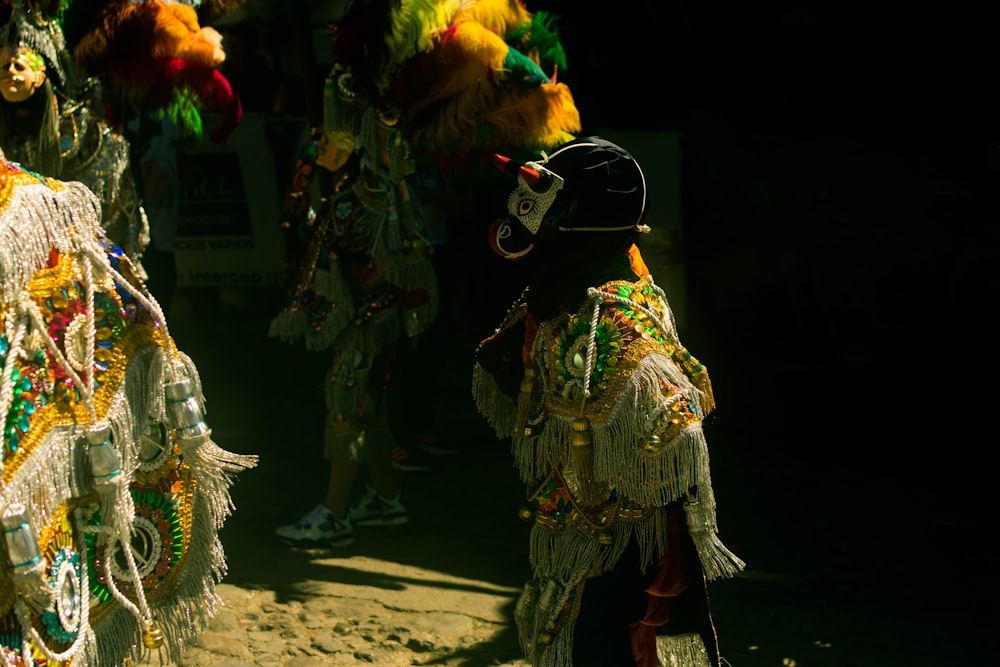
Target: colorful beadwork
{"x":86,"y":367}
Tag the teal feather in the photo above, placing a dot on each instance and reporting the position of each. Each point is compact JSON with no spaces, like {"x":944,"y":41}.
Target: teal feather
{"x":523,"y":68}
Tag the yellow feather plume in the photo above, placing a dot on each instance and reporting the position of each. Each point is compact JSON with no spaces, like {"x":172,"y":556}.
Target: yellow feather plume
{"x":501,"y":16}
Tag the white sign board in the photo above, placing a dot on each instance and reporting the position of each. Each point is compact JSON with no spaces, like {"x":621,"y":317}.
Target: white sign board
{"x":228,"y":233}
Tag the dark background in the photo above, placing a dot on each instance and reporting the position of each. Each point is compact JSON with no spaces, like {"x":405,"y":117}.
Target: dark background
{"x":838,"y":177}
{"x":838,"y":183}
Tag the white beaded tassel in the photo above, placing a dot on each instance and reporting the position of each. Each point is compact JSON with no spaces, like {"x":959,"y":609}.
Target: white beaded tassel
{"x":28,"y":565}
{"x":38,"y":220}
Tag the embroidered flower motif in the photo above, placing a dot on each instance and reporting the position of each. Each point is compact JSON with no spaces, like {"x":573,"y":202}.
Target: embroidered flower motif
{"x":157,"y":544}
{"x":610,"y":340}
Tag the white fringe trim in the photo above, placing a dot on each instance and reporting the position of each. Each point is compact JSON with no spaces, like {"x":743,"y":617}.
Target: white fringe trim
{"x":686,"y":650}
{"x":39,"y":218}
{"x":493,"y":404}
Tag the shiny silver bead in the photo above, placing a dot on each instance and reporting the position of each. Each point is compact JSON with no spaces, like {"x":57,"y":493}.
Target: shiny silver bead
{"x":22,"y":542}
{"x":186,"y":412}
{"x":697,"y":518}
{"x":105,"y":463}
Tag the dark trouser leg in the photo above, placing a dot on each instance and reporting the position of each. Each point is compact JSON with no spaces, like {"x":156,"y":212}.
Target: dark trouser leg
{"x":609,"y":604}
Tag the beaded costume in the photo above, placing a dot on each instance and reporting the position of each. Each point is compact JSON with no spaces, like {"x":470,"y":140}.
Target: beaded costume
{"x":98,"y":157}
{"x":112,"y":491}
{"x":604,"y":407}
{"x":417,"y":86}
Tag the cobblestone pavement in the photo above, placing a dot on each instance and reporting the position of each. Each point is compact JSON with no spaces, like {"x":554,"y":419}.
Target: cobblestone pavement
{"x":255,"y":629}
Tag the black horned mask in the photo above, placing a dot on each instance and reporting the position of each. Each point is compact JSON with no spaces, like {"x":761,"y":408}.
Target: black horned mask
{"x":588,"y":188}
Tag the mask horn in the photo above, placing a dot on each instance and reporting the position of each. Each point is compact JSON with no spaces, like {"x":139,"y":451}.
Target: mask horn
{"x":512,"y":168}
{"x":500,"y":162}
{"x":530,"y":176}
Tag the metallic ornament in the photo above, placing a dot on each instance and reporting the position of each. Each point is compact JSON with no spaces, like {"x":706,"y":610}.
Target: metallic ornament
{"x":575,"y":361}
{"x":22,"y":542}
{"x":697,"y":518}
{"x":68,"y":599}
{"x":653,"y":444}
{"x":65,"y":621}
{"x":146,"y":545}
{"x":388,"y":116}
{"x":345,"y":86}
{"x":607,"y":539}
{"x":105,"y":463}
{"x":152,"y":637}
{"x":525,"y":514}
{"x":75,"y":342}
{"x":152,"y":445}
{"x":185,"y":410}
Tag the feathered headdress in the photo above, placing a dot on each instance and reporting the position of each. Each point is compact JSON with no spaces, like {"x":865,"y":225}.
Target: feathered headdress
{"x":157,"y":53}
{"x":491,"y":90}
{"x":465,"y":77}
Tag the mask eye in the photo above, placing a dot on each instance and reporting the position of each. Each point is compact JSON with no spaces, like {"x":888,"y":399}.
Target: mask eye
{"x":524,"y":206}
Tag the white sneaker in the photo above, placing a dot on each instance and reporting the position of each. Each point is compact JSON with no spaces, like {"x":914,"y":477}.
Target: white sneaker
{"x":374,"y":510}
{"x":319,"y":527}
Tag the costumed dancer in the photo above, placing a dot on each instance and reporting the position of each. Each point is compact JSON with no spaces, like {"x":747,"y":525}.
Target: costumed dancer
{"x":113,"y":491}
{"x":415,"y":85}
{"x":604,"y":407}
{"x":48,"y":124}
{"x":155,"y":53}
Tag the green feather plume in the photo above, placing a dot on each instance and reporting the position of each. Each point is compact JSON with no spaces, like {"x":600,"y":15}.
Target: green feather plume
{"x":539,"y":36}
{"x":185,"y":110}
{"x":523,"y":69}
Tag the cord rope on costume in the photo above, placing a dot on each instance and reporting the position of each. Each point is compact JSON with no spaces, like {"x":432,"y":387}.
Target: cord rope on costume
{"x":88,"y":282}
{"x":39,"y":323}
{"x":86,"y":388}
{"x":148,"y":302}
{"x":591,"y":346}
{"x":625,"y":301}
{"x":141,"y":610}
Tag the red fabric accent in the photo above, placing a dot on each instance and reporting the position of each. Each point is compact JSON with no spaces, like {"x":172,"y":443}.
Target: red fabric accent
{"x":152,"y":81}
{"x":669,"y":580}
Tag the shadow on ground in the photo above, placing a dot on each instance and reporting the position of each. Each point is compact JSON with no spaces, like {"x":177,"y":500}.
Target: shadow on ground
{"x":830,"y":583}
